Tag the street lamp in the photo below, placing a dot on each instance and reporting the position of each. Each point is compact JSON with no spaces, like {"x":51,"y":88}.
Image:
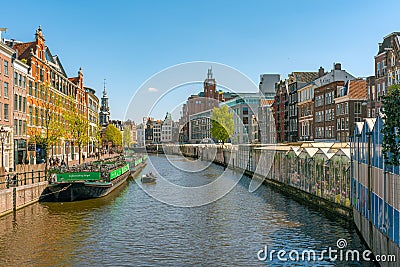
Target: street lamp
{"x":3,"y":137}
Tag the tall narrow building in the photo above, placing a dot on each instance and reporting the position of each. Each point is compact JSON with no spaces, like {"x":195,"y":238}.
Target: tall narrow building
{"x":104,"y":115}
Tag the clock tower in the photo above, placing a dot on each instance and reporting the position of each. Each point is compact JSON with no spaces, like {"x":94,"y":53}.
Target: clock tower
{"x":210,"y":86}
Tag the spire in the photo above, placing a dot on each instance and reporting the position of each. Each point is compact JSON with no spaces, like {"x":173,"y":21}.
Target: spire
{"x":209,"y":74}
{"x":104,"y":90}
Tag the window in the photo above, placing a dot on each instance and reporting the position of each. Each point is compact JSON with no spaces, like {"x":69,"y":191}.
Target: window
{"x":36,"y":89}
{"x":15,"y":78}
{"x":30,"y":87}
{"x":20,"y":127}
{"x":6,"y":67}
{"x":24,"y":127}
{"x":0,"y":110}
{"x":6,"y":112}
{"x":19,"y":80}
{"x":357,"y":108}
{"x":24,"y":82}
{"x":31,"y":115}
{"x":24,"y":104}
{"x":245,"y":111}
{"x":36,"y":116}
{"x":6,"y":90}
{"x":20,"y":103}
{"x":15,"y":102}
{"x":15,"y":127}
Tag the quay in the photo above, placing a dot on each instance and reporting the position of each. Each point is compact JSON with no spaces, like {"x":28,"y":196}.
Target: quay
{"x":20,"y":189}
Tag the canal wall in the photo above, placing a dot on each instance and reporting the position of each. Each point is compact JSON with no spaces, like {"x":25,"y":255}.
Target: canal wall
{"x":15,"y":198}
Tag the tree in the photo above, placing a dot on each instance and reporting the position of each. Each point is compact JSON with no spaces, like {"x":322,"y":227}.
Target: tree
{"x":127,"y":137}
{"x":112,"y":134}
{"x":78,"y":126}
{"x":52,"y":129}
{"x":98,"y":130}
{"x":222,"y":124}
{"x":391,"y":129}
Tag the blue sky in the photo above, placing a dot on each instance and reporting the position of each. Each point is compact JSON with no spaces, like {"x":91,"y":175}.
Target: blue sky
{"x":126,"y":42}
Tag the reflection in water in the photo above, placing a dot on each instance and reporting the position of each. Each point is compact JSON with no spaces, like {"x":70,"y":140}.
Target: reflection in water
{"x":130,"y":228}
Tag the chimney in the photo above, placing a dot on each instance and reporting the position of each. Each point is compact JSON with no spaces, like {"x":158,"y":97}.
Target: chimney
{"x":1,"y":31}
{"x":337,"y":66}
{"x":321,"y":72}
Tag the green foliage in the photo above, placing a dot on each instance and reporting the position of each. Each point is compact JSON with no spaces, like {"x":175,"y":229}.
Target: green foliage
{"x":391,"y":130}
{"x":112,"y":134}
{"x":78,"y":128}
{"x":127,"y":139}
{"x":221,"y":124}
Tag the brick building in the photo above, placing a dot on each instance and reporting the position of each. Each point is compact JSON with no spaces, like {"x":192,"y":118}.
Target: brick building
{"x":206,"y":100}
{"x":6,"y":97}
{"x":50,"y":92}
{"x":350,"y":108}
{"x":325,"y":91}
{"x":22,"y":78}
{"x":281,"y":111}
{"x":295,"y":81}
{"x":387,"y":71}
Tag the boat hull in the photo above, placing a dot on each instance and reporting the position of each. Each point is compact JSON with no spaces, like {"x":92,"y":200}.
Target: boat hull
{"x":75,"y":191}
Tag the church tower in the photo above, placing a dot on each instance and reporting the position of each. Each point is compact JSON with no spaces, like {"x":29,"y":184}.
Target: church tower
{"x":210,"y":85}
{"x":104,"y":115}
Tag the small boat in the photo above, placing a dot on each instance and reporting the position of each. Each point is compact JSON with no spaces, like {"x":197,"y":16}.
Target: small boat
{"x":149,"y":178}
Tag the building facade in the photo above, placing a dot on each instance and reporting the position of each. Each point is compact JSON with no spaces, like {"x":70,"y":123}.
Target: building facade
{"x":350,"y":108}
{"x":200,"y":127}
{"x":325,"y":92}
{"x":206,"y":100}
{"x":166,"y":129}
{"x":21,"y":80}
{"x":6,"y":95}
{"x":245,"y":110}
{"x":387,"y":70}
{"x":295,"y":81}
{"x":50,"y":95}
{"x":140,"y":134}
{"x":93,"y":120}
{"x":280,"y":109}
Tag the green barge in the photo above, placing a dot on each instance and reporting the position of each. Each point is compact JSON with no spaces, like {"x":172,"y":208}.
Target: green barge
{"x":93,"y":180}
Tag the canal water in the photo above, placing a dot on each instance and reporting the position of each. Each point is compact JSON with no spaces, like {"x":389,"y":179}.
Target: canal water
{"x":130,"y":228}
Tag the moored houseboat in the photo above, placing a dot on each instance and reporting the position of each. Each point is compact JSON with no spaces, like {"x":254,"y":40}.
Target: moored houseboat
{"x":90,"y":180}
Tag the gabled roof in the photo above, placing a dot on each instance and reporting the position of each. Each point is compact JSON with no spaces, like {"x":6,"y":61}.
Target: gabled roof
{"x":74,"y":80}
{"x":24,"y":49}
{"x":370,"y":123}
{"x":305,"y":76}
{"x":49,"y":56}
{"x":359,"y":127}
{"x":58,"y":63}
{"x":357,"y":89}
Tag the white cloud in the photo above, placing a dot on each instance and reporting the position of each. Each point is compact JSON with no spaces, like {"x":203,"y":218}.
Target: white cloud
{"x":152,"y":89}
